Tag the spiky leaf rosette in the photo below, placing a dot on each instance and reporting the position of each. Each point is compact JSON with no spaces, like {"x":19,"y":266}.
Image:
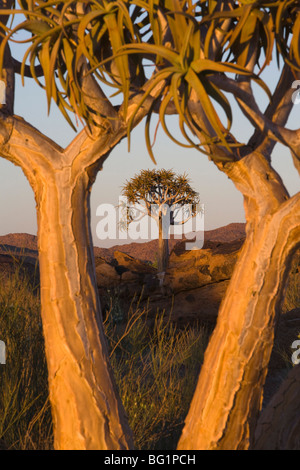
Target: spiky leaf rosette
{"x":63,"y":35}
{"x":187,"y":42}
{"x":194,"y":41}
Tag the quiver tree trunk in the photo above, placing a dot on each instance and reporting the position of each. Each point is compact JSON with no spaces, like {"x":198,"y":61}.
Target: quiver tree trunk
{"x":163,"y":243}
{"x":86,"y":408}
{"x":87,"y":412}
{"x":228,"y":397}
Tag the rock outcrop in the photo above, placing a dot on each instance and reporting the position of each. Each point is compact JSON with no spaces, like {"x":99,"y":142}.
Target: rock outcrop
{"x":278,"y":426}
{"x":192,"y":287}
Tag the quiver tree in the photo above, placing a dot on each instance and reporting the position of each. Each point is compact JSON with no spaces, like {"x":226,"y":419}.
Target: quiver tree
{"x":215,"y":53}
{"x":201,"y":52}
{"x":69,"y":47}
{"x":162,"y":195}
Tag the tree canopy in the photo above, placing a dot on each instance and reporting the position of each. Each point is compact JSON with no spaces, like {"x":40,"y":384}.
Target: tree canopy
{"x":166,"y":197}
{"x":160,"y":187}
{"x":193,"y":46}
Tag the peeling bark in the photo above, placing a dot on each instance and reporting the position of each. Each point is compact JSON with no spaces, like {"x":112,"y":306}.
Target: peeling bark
{"x":87,"y":411}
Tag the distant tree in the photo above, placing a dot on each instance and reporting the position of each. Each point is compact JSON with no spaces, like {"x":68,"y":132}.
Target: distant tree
{"x":161,"y":194}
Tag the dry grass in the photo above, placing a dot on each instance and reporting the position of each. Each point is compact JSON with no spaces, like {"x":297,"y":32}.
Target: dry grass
{"x":25,"y":418}
{"x":156,"y":369}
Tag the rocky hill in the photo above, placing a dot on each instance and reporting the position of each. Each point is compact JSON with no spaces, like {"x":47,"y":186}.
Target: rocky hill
{"x":143,"y":251}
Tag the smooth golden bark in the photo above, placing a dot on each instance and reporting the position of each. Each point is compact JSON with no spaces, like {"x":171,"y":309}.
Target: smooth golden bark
{"x":87,"y":412}
{"x":228,"y":397}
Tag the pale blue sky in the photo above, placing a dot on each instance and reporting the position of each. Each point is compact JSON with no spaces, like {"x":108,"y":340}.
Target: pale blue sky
{"x":223,"y":203}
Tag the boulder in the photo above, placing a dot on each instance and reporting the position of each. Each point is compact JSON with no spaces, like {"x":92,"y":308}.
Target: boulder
{"x":132,"y":264}
{"x":191,"y":306}
{"x":197,"y":268}
{"x":192,"y":289}
{"x":106,"y":274}
{"x":193,"y":286}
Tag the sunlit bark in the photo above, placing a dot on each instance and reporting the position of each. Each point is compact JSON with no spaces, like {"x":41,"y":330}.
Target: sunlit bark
{"x":229,"y":393}
{"x":87,"y":411}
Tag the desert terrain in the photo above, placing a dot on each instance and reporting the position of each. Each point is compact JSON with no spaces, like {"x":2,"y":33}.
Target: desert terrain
{"x":190,"y":292}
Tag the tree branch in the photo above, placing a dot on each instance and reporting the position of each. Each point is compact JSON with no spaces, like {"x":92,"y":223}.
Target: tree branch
{"x":220,"y":31}
{"x":270,"y":129}
{"x":202,"y":128}
{"x":8,"y":77}
{"x":104,"y":113}
{"x":39,"y":72}
{"x":26,"y":147}
{"x":277,"y":111}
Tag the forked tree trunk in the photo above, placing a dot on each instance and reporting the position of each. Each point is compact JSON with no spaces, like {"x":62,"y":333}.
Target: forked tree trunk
{"x":86,"y":408}
{"x":229,"y":392}
{"x":87,"y":412}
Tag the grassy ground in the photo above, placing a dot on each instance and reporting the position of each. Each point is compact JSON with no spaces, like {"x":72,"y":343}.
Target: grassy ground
{"x":156,"y":368}
{"x":25,"y":418}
